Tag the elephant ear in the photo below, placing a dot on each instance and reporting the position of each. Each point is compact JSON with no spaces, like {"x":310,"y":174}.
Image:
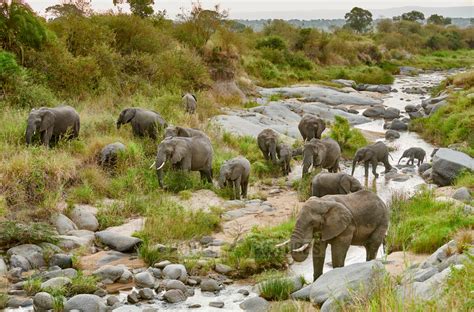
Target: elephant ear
{"x":194,"y":96}
{"x":128,"y":114}
{"x":47,"y":120}
{"x":179,"y":152}
{"x":182,"y":132}
{"x":368,"y":155}
{"x":345,"y":184}
{"x":321,"y":127}
{"x":336,"y":220}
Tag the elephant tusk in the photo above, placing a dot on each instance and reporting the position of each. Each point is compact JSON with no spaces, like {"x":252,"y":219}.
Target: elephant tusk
{"x":161,"y":166}
{"x":302,"y":248}
{"x":152,"y":164}
{"x":282,"y":244}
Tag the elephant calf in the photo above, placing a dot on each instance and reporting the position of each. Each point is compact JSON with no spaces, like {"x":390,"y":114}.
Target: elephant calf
{"x":235,"y":173}
{"x":311,"y":127}
{"x":325,"y":153}
{"x":189,"y":102}
{"x":372,"y":154}
{"x":334,"y":183}
{"x":412,"y":153}
{"x":176,"y":131}
{"x":284,"y":153}
{"x":267,"y":142}
{"x":109,"y":154}
{"x":52,"y":124}
{"x":144,"y":122}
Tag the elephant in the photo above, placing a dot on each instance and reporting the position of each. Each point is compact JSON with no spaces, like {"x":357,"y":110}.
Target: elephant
{"x":334,"y":183}
{"x":109,"y":154}
{"x":188,"y":154}
{"x":189,"y":102}
{"x":52,"y":124}
{"x":412,"y":153}
{"x":372,"y":154}
{"x":176,"y":131}
{"x":144,"y":122}
{"x":359,"y":219}
{"x":284,"y":154}
{"x":267,"y":142}
{"x":325,"y":153}
{"x":311,"y":126}
{"x":235,"y":173}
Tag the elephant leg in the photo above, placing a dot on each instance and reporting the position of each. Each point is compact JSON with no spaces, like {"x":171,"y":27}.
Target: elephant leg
{"x":244,"y":185}
{"x":319,"y":253}
{"x":420,"y":161}
{"x":412,"y":160}
{"x":373,"y":243}
{"x":366,"y":168}
{"x":387,"y":165}
{"x":374,"y":167}
{"x":46,"y":136}
{"x":338,"y":253}
{"x":236,"y":187}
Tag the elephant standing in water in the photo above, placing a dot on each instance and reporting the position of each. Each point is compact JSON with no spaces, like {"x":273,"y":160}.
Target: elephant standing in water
{"x":325,"y":153}
{"x":372,"y":154}
{"x":359,"y":219}
{"x":188,"y":154}
{"x":267,"y":142}
{"x":311,"y":127}
{"x":334,"y":183}
{"x":412,"y":153}
{"x":52,"y":124}
{"x":144,"y":122}
{"x":235,"y":173}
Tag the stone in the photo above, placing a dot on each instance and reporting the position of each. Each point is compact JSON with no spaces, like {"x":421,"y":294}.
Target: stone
{"x":223,"y":268}
{"x":174,"y":296}
{"x":175,"y":284}
{"x":216,"y":304}
{"x":302,"y":294}
{"x":396,"y":124}
{"x":175,"y":271}
{"x":423,"y":167}
{"x":408,"y":70}
{"x":194,"y":306}
{"x":146,"y":294}
{"x":210,"y":253}
{"x":462,"y":194}
{"x":43,"y":301}
{"x":419,"y":275}
{"x":63,"y":224}
{"x":344,"y":82}
{"x":447,"y":164}
{"x":255,"y":304}
{"x":61,"y":260}
{"x":440,"y":255}
{"x":374,"y":112}
{"x":84,"y":218}
{"x":110,"y":272}
{"x":71,"y":242}
{"x":126,"y":277}
{"x":427,"y":290}
{"x":112,"y":300}
{"x":133,"y":297}
{"x":17,"y":261}
{"x":69,"y":272}
{"x":145,"y":280}
{"x":210,"y":285}
{"x":118,"y":242}
{"x":391,"y":113}
{"x":3,"y":267}
{"x":162,"y":264}
{"x":156,"y":272}
{"x":17,"y":302}
{"x":415,"y":115}
{"x":244,"y":292}
{"x":427,"y":174}
{"x":32,"y":253}
{"x":410,"y":108}
{"x":100,"y":292}
{"x":374,"y":88}
{"x":392,"y":135}
{"x":206,"y":240}
{"x":56,"y":282}
{"x":85,"y":302}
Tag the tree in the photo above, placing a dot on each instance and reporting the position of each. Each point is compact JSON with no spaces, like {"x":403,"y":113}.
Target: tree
{"x":142,"y":8}
{"x":358,"y":19}
{"x":439,"y":20}
{"x":413,"y":16}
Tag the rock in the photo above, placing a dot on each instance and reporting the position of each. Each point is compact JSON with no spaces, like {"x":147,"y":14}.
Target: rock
{"x":84,"y":218}
{"x":414,"y":90}
{"x":17,"y":302}
{"x":216,"y":304}
{"x":427,"y":174}
{"x":419,"y":275}
{"x":392,"y":135}
{"x":302,"y":294}
{"x":175,"y":271}
{"x":85,"y":303}
{"x":222,"y":268}
{"x":32,"y":253}
{"x":194,"y":306}
{"x":112,"y":300}
{"x":155,"y":272}
{"x":396,"y":124}
{"x":71,"y":241}
{"x":423,"y":167}
{"x":17,"y":261}
{"x":61,"y":260}
{"x":415,"y":115}
{"x":434,"y":100}
{"x":410,"y":108}
{"x":431,"y":109}
{"x":162,"y":264}
{"x":145,"y":280}
{"x":100,"y":292}
{"x":118,"y":242}
{"x":462,"y":194}
{"x":110,"y":272}
{"x":255,"y":304}
{"x":374,"y":112}
{"x":344,"y":82}
{"x":210,"y":285}
{"x":43,"y":301}
{"x":440,"y":255}
{"x":133,"y":297}
{"x":126,"y":277}
{"x":210,"y":253}
{"x":206,"y":240}
{"x":408,"y":70}
{"x":70,"y":273}
{"x":374,"y":88}
{"x":244,"y":292}
{"x":175,"y":284}
{"x":391,"y":113}
{"x":174,"y":296}
{"x":146,"y":294}
{"x":63,"y":224}
{"x":3,"y":267}
{"x":56,"y":282}
{"x":448,"y":163}
{"x":426,"y":290}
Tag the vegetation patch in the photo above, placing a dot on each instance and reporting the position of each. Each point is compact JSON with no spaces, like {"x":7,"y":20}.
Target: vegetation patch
{"x":13,"y":233}
{"x":277,"y":287}
{"x":151,"y":254}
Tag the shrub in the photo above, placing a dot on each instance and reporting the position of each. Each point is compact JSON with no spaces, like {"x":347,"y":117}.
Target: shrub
{"x":3,"y":300}
{"x":272,"y":42}
{"x":13,"y":233}
{"x":349,"y":139}
{"x":32,"y":286}
{"x":151,"y":254}
{"x":276,"y":287}
{"x":82,"y":284}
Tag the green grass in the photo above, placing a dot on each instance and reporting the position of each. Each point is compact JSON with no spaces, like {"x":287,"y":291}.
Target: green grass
{"x":3,"y":300}
{"x":465,"y":178}
{"x":442,"y":60}
{"x":303,"y":185}
{"x":82,"y":284}
{"x":276,"y":287}
{"x":32,"y":286}
{"x":421,"y":224}
{"x":349,"y":139}
{"x":151,"y":255}
{"x":13,"y":233}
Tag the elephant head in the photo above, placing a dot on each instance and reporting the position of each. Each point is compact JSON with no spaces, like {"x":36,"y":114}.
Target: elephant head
{"x":313,"y":154}
{"x":224,"y":175}
{"x":176,"y":131}
{"x":318,"y":216}
{"x":38,"y":121}
{"x":321,"y":126}
{"x":362,"y":155}
{"x":126,"y":116}
{"x":349,"y":184}
{"x":173,"y":149}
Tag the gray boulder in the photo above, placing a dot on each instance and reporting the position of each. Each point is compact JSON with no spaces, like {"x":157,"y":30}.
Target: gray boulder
{"x":222,"y":268}
{"x":410,"y":108}
{"x":32,"y":253}
{"x":302,"y":294}
{"x":374,"y":88}
{"x":85,"y":303}
{"x":210,"y":285}
{"x":84,"y":218}
{"x":448,"y":163}
{"x":146,"y":293}
{"x":175,"y":284}
{"x":63,"y":224}
{"x":216,"y":304}
{"x":70,"y":272}
{"x":396,"y":124}
{"x":255,"y":304}
{"x":391,"y":113}
{"x":423,"y":167}
{"x":61,"y":260}
{"x":109,"y":272}
{"x":344,"y":82}
{"x":17,"y":261}
{"x":174,"y":296}
{"x":415,"y":115}
{"x":17,"y":302}
{"x":426,"y":290}
{"x":391,"y":135}
{"x":126,"y":277}
{"x":56,"y":282}
{"x":43,"y":302}
{"x":462,"y":194}
{"x":374,"y":112}
{"x":112,"y":300}
{"x":118,"y":242}
{"x":145,"y":280}
{"x":175,"y":271}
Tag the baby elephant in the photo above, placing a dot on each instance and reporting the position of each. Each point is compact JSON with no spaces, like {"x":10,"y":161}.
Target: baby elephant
{"x":189,"y":102}
{"x":267,"y":142}
{"x":144,"y":122}
{"x":334,"y":183}
{"x":284,"y":153}
{"x":235,"y":173}
{"x":412,"y":153}
{"x":109,"y":154}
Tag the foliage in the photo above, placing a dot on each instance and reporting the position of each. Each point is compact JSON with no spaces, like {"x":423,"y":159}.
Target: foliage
{"x":413,"y":16}
{"x":349,"y":139}
{"x":82,"y":284}
{"x":303,"y":185}
{"x":32,"y":286}
{"x":276,"y":288}
{"x":3,"y":300}
{"x":142,"y":8}
{"x":358,"y":19}
{"x":465,"y":178}
{"x":152,"y":254}
{"x":438,"y":20}
{"x":14,"y":233}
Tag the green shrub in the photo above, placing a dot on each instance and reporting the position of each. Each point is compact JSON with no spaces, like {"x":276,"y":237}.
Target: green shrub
{"x":82,"y":284}
{"x":465,"y":178}
{"x":150,"y":254}
{"x":177,"y":180}
{"x":3,"y":300}
{"x":32,"y":286}
{"x":303,"y":185}
{"x":277,"y":287}
{"x":272,"y":42}
{"x":349,"y":139}
{"x":13,"y":233}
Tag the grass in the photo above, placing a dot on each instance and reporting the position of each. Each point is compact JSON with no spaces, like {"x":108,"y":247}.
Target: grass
{"x":292,"y":306}
{"x":13,"y":233}
{"x":3,"y":300}
{"x":32,"y":286}
{"x":421,"y":224}
{"x":349,"y":139}
{"x":277,"y":287}
{"x":151,"y":255}
{"x":465,"y":178}
{"x":82,"y":284}
{"x":441,"y":60}
{"x":303,"y":185}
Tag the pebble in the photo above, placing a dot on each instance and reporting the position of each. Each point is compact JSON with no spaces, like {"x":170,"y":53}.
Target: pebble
{"x":216,"y":304}
{"x":133,"y":297}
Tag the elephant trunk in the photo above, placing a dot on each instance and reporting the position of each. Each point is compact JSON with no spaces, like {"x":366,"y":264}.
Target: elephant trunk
{"x":400,"y":159}
{"x":119,"y":123}
{"x":354,"y":163}
{"x":221,"y":181}
{"x":272,"y":150}
{"x":30,"y":131}
{"x":307,"y":160}
{"x":299,"y":242}
{"x":160,"y":162}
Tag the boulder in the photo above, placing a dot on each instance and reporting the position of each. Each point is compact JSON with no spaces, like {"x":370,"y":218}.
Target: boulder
{"x":415,"y":115}
{"x":396,"y":124}
{"x":17,"y":261}
{"x":133,"y":297}
{"x":391,"y":113}
{"x":61,"y":260}
{"x":56,"y":282}
{"x":462,"y":194}
{"x":85,"y":303}
{"x":448,"y":163}
{"x":344,"y":82}
{"x":423,"y":167}
{"x":146,"y":294}
{"x":255,"y":304}
{"x":434,"y":100}
{"x":126,"y":277}
{"x":70,"y":273}
{"x":175,"y":271}
{"x":302,"y":294}
{"x":222,"y":268}
{"x":216,"y":304}
{"x":84,"y":218}
{"x":374,"y":88}
{"x":175,"y":284}
{"x":410,"y":108}
{"x":112,"y":300}
{"x":374,"y":112}
{"x":3,"y":267}
{"x":145,"y":280}
{"x":109,"y":272}
{"x":162,"y":264}
{"x":32,"y":253}
{"x":118,"y":242}
{"x":174,"y":296}
{"x":391,"y":135}
{"x":210,"y":285}
{"x":15,"y":302}
{"x":408,"y":70}
{"x":63,"y":224}
{"x":43,"y":302}
{"x":426,"y":290}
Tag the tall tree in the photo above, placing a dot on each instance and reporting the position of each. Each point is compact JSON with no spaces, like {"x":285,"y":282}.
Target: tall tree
{"x":142,"y":8}
{"x":413,"y":16}
{"x":358,"y":19}
{"x":439,"y":20}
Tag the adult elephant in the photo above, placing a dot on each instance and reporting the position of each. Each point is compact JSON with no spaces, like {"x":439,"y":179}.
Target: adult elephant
{"x":267,"y":142}
{"x":189,"y":102}
{"x":325,"y":153}
{"x":188,"y":154}
{"x":372,"y":154}
{"x":144,"y":122}
{"x":359,"y":219}
{"x":52,"y":124}
{"x":414,"y":153}
{"x":334,"y":183}
{"x":235,"y":173}
{"x":311,"y":127}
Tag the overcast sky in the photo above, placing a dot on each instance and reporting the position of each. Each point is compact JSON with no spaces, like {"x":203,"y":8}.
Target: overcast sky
{"x":276,"y":9}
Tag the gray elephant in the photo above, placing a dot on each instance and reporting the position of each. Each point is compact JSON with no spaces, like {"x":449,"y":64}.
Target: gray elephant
{"x":176,"y":131}
{"x":235,"y":173}
{"x":189,"y":102}
{"x":359,"y":219}
{"x":284,"y":154}
{"x":334,"y":183}
{"x":267,"y":142}
{"x":144,"y":122}
{"x":52,"y":124}
{"x":372,"y":154}
{"x":325,"y":153}
{"x":311,"y":127}
{"x":109,"y":154}
{"x":412,"y":153}
{"x":188,"y":154}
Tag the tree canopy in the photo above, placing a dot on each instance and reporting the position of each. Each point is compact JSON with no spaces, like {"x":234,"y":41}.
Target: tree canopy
{"x":413,"y":16}
{"x":358,"y":19}
{"x":142,"y":8}
{"x":439,"y":20}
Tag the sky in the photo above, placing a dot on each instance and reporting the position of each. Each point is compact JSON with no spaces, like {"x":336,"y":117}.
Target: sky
{"x":277,"y":9}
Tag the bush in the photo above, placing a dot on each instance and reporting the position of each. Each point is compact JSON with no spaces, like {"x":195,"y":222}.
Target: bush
{"x":150,"y":254}
{"x":349,"y":139}
{"x":14,"y":233}
{"x":272,"y":42}
{"x":277,"y":287}
{"x":32,"y":286}
{"x":82,"y":284}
